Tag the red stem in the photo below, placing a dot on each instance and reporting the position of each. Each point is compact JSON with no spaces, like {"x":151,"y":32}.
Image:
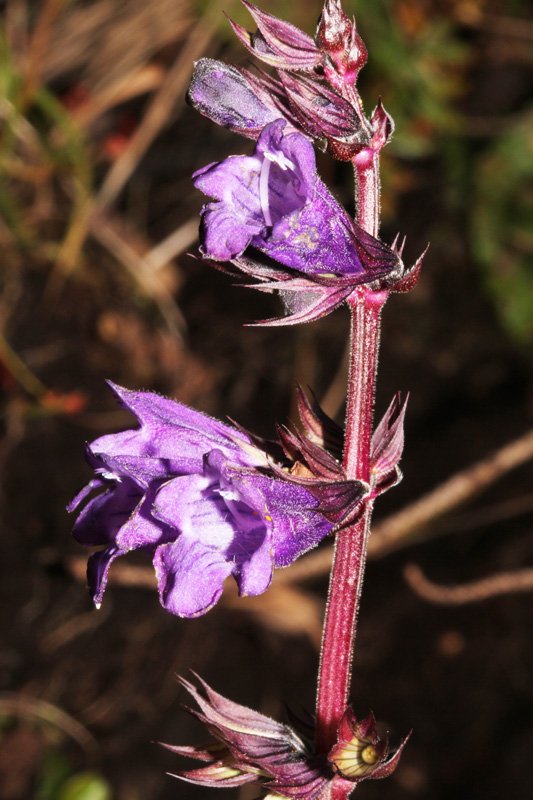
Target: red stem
{"x":350,"y":546}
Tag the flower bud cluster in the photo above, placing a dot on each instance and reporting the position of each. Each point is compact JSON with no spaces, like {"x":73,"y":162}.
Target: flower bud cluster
{"x":249,"y":747}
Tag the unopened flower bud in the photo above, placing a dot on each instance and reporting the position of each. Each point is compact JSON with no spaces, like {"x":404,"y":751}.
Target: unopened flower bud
{"x":360,"y":753}
{"x":340,"y":42}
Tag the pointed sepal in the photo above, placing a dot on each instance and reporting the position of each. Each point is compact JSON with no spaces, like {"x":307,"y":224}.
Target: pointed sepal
{"x":410,"y":275}
{"x":382,"y":125}
{"x":387,"y":446}
{"x":317,"y":425}
{"x":322,"y":112}
{"x":278,"y":43}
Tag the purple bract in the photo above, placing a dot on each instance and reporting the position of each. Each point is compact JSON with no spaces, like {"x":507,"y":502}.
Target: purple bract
{"x":200,"y":496}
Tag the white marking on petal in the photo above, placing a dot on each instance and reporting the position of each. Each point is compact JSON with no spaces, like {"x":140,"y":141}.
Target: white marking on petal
{"x":263,"y":190}
{"x":110,"y":476}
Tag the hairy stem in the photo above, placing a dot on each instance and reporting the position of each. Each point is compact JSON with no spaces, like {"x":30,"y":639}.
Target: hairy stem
{"x":350,"y":546}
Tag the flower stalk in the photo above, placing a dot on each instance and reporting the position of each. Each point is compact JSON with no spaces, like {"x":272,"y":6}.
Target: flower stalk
{"x":346,"y":578}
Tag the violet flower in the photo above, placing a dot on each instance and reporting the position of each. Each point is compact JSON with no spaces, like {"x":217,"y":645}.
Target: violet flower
{"x":274,"y":202}
{"x":200,"y":496}
{"x":249,"y":747}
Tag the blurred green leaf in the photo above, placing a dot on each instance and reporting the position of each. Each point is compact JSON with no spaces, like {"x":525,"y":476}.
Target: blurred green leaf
{"x":417,"y":71}
{"x":85,"y":786}
{"x":501,"y":229}
{"x":54,"y":771}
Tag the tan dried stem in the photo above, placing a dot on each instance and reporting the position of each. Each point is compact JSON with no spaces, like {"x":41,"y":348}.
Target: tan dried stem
{"x":162,"y":106}
{"x":512,"y":582}
{"x":19,"y":705}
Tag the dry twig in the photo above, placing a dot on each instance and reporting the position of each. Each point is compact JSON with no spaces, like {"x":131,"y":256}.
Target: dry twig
{"x":493,"y":586}
{"x":18,"y":705}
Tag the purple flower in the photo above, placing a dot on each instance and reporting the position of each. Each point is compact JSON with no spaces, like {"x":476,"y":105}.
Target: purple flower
{"x":201,"y":496}
{"x":249,"y":747}
{"x":274,"y":202}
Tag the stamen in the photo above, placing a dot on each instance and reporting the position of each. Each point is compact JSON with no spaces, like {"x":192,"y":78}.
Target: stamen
{"x":281,"y":160}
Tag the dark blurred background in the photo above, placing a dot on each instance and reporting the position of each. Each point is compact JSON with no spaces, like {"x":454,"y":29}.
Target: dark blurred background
{"x":97,"y":216}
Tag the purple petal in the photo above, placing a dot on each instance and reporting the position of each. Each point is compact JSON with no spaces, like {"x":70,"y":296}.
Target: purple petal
{"x":125,"y":529}
{"x":234,"y":180}
{"x":170,"y":431}
{"x":223,"y":237}
{"x":319,"y":238}
{"x":100,"y":520}
{"x":290,"y":510}
{"x":229,"y":225}
{"x":291,"y":170}
{"x":190,"y":505}
{"x":190,"y":576}
{"x":252,"y":552}
{"x":142,"y":529}
{"x":98,"y":572}
{"x":225,"y":95}
{"x":217,"y":518}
